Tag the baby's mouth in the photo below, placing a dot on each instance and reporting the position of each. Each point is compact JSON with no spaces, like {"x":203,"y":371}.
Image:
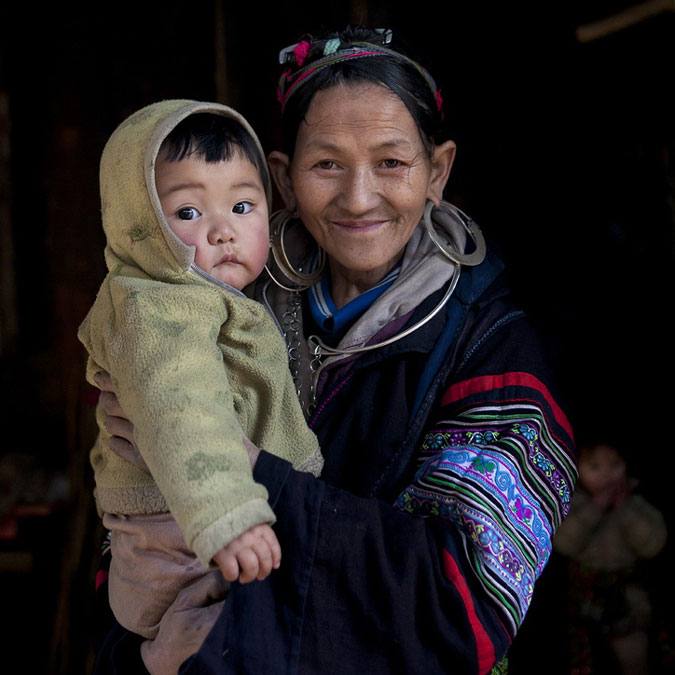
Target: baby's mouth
{"x":228,"y":258}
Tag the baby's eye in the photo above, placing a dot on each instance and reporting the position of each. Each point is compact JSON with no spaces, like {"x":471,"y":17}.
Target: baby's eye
{"x":187,"y":213}
{"x":242,"y":208}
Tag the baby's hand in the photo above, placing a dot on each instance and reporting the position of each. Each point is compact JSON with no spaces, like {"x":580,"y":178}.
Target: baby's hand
{"x":252,"y":555}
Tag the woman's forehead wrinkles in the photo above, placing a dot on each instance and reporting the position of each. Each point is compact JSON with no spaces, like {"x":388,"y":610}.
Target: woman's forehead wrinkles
{"x":371,"y":130}
{"x":327,"y":142}
{"x":335,"y":118}
{"x":364,"y":118}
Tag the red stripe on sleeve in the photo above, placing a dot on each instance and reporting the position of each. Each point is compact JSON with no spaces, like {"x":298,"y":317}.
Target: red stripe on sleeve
{"x":488,"y":382}
{"x":484,"y":647}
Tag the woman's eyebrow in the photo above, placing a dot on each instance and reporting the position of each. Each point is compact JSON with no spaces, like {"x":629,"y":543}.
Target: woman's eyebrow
{"x":396,"y":143}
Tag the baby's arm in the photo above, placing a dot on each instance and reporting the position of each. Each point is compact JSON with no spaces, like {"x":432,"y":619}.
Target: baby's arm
{"x":252,"y":555}
{"x":184,"y":420}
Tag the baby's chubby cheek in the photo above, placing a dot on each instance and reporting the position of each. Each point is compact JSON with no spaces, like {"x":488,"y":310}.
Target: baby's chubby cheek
{"x":261,"y":245}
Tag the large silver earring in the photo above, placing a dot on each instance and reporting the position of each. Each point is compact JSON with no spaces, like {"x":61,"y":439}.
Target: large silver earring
{"x":301,"y":280}
{"x":445,"y":214}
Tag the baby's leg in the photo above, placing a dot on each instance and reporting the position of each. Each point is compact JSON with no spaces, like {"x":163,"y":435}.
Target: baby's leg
{"x":150,"y":564}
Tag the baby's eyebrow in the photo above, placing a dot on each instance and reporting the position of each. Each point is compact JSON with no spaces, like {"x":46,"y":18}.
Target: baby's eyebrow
{"x":251,"y":185}
{"x":182,"y":186}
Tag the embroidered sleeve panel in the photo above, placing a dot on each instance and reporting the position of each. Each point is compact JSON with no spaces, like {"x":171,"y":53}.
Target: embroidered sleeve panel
{"x":499,"y":468}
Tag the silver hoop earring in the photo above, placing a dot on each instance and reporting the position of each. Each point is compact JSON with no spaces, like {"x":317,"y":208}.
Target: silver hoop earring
{"x":445,"y":214}
{"x":278,"y":223}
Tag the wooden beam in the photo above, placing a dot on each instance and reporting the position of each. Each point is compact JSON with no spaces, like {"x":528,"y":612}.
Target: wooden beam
{"x":624,"y":19}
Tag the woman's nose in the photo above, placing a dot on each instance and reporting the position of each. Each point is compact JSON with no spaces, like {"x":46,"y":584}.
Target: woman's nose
{"x":358,"y":191}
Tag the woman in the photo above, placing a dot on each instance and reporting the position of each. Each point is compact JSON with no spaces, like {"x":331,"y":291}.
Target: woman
{"x":448,"y":461}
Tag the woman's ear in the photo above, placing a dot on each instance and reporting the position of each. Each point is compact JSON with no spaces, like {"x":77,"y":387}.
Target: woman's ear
{"x":280,"y":164}
{"x":441,"y":163}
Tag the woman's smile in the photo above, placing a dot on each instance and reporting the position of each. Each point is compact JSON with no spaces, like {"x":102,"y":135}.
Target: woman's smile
{"x":361,"y":226}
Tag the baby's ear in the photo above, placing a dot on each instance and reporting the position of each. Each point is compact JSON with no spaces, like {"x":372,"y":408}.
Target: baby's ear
{"x":280,"y":165}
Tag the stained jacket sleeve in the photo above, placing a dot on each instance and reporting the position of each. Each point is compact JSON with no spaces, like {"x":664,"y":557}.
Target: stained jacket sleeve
{"x":437,"y":582}
{"x":159,"y":342}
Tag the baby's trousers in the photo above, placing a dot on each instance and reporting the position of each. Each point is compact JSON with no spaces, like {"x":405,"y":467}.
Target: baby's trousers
{"x":150,"y":564}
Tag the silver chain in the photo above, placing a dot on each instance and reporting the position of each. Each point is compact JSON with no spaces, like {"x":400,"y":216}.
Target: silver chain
{"x":291,"y":325}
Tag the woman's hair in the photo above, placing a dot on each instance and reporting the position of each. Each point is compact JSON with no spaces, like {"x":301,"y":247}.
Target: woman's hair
{"x":385,"y":65}
{"x":212,"y":138}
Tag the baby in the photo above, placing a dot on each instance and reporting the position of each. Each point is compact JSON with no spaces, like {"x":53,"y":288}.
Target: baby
{"x":198,"y":367}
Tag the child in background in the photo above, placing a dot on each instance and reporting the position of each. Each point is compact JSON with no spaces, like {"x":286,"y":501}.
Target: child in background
{"x":609,"y":529}
{"x":198,"y":367}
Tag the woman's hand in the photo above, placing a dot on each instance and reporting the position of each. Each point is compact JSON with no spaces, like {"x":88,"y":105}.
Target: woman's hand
{"x":122,"y":441}
{"x":252,"y":450}
{"x":186,"y":623}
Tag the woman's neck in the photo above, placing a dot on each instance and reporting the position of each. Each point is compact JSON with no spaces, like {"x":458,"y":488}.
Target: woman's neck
{"x":348,"y":284}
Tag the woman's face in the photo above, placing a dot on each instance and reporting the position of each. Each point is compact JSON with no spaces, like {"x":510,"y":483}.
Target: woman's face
{"x":360,"y":177}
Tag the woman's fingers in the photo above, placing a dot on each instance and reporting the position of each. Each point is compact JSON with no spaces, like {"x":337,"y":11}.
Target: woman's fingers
{"x":122,"y":441}
{"x":253,"y":450}
{"x":104,"y":381}
{"x":121,"y":430}
{"x":128,"y":451}
{"x":120,"y":426}
{"x":185,"y":624}
{"x":203,"y":592}
{"x":110,"y":404}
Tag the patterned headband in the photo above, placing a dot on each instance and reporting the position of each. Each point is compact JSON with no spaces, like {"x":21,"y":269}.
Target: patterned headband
{"x":292,"y":81}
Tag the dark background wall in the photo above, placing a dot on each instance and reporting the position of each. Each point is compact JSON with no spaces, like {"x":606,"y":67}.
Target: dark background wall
{"x":565,"y":160}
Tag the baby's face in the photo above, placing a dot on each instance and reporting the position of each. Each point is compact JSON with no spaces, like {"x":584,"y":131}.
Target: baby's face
{"x":601,"y":468}
{"x":220,"y":208}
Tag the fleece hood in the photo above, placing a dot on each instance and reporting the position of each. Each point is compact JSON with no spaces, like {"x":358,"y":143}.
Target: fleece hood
{"x":137,"y":233}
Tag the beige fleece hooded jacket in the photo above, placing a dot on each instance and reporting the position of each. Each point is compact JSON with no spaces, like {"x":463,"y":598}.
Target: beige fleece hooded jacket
{"x":193,"y":361}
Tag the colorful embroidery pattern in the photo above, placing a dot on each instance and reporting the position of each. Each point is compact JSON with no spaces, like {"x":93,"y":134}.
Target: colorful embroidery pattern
{"x":504,"y":481}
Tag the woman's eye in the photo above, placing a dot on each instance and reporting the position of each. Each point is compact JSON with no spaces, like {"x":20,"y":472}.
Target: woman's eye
{"x":325,"y":164}
{"x":187,"y":213}
{"x":242,"y":208}
{"x":391,"y":163}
